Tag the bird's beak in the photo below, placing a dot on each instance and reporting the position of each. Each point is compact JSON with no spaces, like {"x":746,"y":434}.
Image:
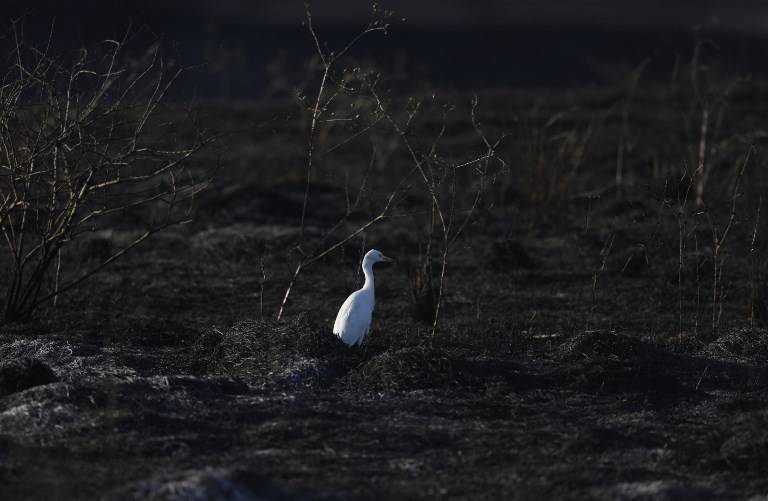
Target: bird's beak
{"x":387,"y":259}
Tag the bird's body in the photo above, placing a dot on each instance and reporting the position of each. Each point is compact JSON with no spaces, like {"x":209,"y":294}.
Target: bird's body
{"x":353,"y":322}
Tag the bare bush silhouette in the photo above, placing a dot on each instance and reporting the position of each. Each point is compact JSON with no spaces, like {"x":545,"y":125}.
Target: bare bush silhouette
{"x":341,"y":99}
{"x":350,"y":103}
{"x":453,"y":191}
{"x":86,"y":144}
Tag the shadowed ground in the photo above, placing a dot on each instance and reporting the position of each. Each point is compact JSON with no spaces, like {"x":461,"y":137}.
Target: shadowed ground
{"x":564,"y":368}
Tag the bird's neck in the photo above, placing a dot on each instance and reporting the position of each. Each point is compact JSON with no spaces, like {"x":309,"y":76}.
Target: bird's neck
{"x":368,"y":271}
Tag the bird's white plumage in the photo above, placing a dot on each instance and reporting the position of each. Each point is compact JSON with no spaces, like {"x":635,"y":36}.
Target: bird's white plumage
{"x":353,"y":322}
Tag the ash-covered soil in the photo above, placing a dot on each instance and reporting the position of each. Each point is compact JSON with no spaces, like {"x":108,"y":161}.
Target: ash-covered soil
{"x":581,"y":353}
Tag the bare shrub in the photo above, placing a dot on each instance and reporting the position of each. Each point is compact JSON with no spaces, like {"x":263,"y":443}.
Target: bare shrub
{"x":453,"y":190}
{"x":351,"y":103}
{"x":86,"y":145}
{"x":341,"y":101}
{"x":719,"y":240}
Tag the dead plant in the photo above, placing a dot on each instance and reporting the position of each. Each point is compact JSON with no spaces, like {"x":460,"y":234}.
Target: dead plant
{"x":83,"y":145}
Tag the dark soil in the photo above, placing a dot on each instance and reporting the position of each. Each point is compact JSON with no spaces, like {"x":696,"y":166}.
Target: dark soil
{"x":19,"y":374}
{"x":579,"y":353}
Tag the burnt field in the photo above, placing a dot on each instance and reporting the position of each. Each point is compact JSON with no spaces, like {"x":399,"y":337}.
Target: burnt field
{"x":593,"y":256}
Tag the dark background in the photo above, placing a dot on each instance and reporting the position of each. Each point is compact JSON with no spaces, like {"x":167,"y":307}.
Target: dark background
{"x":460,"y":44}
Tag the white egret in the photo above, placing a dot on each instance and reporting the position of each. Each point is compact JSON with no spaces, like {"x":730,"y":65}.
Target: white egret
{"x":354,"y":318}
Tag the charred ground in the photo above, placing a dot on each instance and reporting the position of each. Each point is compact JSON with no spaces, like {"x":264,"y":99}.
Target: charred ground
{"x":577,"y":354}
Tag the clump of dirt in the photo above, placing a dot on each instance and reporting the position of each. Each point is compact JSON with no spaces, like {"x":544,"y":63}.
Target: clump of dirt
{"x":616,"y":376}
{"x":405,"y":369}
{"x":72,"y":361}
{"x":600,"y":361}
{"x":300,"y":354}
{"x":18,"y":375}
{"x":739,"y":346}
{"x":262,"y":352}
{"x":596,"y":344}
{"x":746,"y":442}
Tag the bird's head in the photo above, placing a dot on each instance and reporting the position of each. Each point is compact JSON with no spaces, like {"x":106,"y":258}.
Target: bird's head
{"x":374,"y":256}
